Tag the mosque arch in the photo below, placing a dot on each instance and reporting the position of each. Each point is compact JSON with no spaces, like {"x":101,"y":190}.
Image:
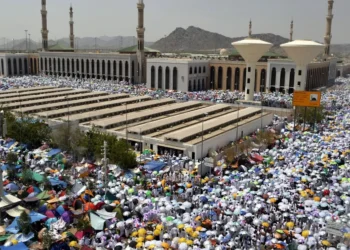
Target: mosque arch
{"x":2,"y":67}
{"x":189,"y":86}
{"x":98,"y":69}
{"x":153,"y":77}
{"x":82,"y":63}
{"x":15,"y":71}
{"x":120,"y":70}
{"x":93,"y":68}
{"x":126,"y":71}
{"x":273,"y":79}
{"x":255,"y":81}
{"x":203,"y":84}
{"x":190,"y":70}
{"x":58,"y":65}
{"x":282,"y":80}
{"x":31,"y":66}
{"x":87,"y":68}
{"x":103,"y":75}
{"x":220,"y":72}
{"x":203,"y":69}
{"x":212,"y":77}
{"x":64,"y":67}
{"x":9,"y":67}
{"x":115,"y":70}
{"x":160,"y":77}
{"x":167,"y":78}
{"x":194,"y":85}
{"x":26,"y":66}
{"x":20,"y":67}
{"x":41,"y":64}
{"x":175,"y":78}
{"x":54,"y":66}
{"x":132,"y":71}
{"x":244,"y":78}
{"x":68,"y":67}
{"x":262,"y":80}
{"x":195,"y":70}
{"x":291,"y":81}
{"x":237,"y":73}
{"x":109,"y":70}
{"x":228,"y":78}
{"x":200,"y":70}
{"x":46,"y":68}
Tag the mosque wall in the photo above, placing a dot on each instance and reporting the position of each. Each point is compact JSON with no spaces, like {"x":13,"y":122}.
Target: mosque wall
{"x":19,"y":64}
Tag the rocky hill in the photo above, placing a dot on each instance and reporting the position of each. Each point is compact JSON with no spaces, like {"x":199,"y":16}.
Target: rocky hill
{"x":196,"y":39}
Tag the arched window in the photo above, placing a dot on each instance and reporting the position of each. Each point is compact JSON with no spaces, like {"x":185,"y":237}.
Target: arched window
{"x":244,"y":78}
{"x":109,"y":68}
{"x":220,"y":78}
{"x":103,"y":69}
{"x":194,"y":85}
{"x":132,"y":70}
{"x":68,"y":67}
{"x":50,"y":66}
{"x":87,"y":67}
{"x":41,"y":64}
{"x":262,"y":80}
{"x":189,"y":86}
{"x":120,"y":70}
{"x":15,"y":72}
{"x":212,"y":77}
{"x":114,"y":68}
{"x":291,"y":80}
{"x":46,"y":65}
{"x":64,"y":66}
{"x":203,"y":69}
{"x":77,"y":66}
{"x":228,"y":78}
{"x":2,"y":66}
{"x":167,"y":78}
{"x":190,"y":70}
{"x":255,"y":82}
{"x":175,"y":78}
{"x":153,"y":77}
{"x":9,"y":67}
{"x":54,"y":66}
{"x":93,"y":68}
{"x":273,"y":79}
{"x":72,"y":67}
{"x":200,"y":70}
{"x":98,"y":67}
{"x":160,"y":77}
{"x":195,"y":70}
{"x":26,"y":66}
{"x":127,"y":69}
{"x":20,"y":66}
{"x":282,"y":79}
{"x":203,"y":84}
{"x":199,"y":85}
{"x":82,"y":66}
{"x":237,"y":73}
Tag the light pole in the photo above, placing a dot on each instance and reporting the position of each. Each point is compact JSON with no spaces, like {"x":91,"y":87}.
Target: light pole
{"x":26,"y":41}
{"x":205,"y":115}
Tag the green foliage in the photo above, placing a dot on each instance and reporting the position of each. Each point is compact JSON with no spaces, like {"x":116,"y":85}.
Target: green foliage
{"x":27,"y":176}
{"x":47,"y":239}
{"x":266,"y":137}
{"x":24,"y":223}
{"x":309,"y":114}
{"x":27,"y":129}
{"x":83,"y":224}
{"x":118,"y":151}
{"x":68,"y":137}
{"x":11,"y":158}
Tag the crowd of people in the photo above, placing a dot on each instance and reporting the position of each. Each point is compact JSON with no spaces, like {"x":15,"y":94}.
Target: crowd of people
{"x":295,"y":194}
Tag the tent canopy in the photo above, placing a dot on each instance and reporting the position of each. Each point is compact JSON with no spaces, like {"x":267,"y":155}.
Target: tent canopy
{"x":19,"y":246}
{"x":16,"y":211}
{"x":97,"y":222}
{"x":53,"y":152}
{"x":154,"y":166}
{"x":8,"y":200}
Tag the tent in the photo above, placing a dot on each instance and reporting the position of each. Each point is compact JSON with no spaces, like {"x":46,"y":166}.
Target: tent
{"x":19,"y":246}
{"x":53,"y":152}
{"x":56,"y":182}
{"x":154,"y":166}
{"x":97,"y":222}
{"x":5,"y":166}
{"x":106,"y":215}
{"x":34,"y":217}
{"x":43,"y":195}
{"x":16,"y":211}
{"x":8,"y":200}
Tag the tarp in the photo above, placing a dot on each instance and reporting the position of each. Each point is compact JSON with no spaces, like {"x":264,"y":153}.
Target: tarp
{"x":16,"y":211}
{"x":43,"y":195}
{"x":76,"y":187}
{"x":19,"y":246}
{"x":13,"y":227}
{"x":56,"y":182}
{"x":106,"y":215}
{"x":24,"y":237}
{"x":154,"y":166}
{"x":97,"y":222}
{"x":9,"y":144}
{"x":53,"y":152}
{"x":6,"y":166}
{"x":34,"y":216}
{"x":8,"y":200}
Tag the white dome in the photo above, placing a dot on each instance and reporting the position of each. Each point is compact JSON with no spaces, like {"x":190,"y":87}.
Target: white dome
{"x":223,"y":52}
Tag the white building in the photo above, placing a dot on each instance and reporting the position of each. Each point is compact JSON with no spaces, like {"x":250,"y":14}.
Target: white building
{"x":177,"y":74}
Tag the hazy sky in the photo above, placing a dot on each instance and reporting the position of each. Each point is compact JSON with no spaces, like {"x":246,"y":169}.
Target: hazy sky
{"x":228,"y":17}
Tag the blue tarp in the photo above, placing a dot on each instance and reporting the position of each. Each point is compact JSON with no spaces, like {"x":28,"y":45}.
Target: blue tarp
{"x":19,"y":246}
{"x":56,"y":182}
{"x":154,"y":166}
{"x":9,"y":144}
{"x":5,"y":166}
{"x":34,"y":216}
{"x":53,"y":152}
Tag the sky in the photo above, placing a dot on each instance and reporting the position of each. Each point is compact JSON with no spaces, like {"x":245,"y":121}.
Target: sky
{"x":94,"y":18}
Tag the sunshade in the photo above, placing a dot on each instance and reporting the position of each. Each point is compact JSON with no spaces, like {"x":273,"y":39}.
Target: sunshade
{"x":16,"y":211}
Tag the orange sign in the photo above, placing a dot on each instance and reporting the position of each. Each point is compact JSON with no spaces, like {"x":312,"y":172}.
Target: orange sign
{"x":307,"y":98}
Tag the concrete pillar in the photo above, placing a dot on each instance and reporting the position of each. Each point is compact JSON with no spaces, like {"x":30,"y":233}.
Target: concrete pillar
{"x":278,"y":80}
{"x":300,"y":79}
{"x":250,"y":82}
{"x":224,"y":78}
{"x":241,"y":75}
{"x":163,"y":76}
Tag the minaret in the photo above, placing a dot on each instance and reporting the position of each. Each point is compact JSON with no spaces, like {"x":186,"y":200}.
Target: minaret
{"x":141,"y":43}
{"x":250,"y":29}
{"x":71,"y":25}
{"x":291,"y":31}
{"x":328,"y":36}
{"x":44,"y":31}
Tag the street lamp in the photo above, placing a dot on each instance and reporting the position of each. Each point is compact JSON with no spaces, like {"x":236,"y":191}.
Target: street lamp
{"x":26,"y":41}
{"x":205,"y":115}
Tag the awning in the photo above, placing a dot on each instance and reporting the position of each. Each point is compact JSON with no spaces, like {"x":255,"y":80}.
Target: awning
{"x":8,"y":200}
{"x":16,"y":211}
{"x":171,"y":147}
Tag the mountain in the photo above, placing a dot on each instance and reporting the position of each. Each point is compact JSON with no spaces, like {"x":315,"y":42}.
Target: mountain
{"x":82,"y":43}
{"x":197,"y":40}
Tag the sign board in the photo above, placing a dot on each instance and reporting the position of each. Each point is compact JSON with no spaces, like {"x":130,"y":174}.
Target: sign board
{"x":307,"y":98}
{"x":335,"y":228}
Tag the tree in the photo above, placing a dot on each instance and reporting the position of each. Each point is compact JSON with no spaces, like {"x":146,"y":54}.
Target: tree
{"x":310,"y":114}
{"x":47,"y":239}
{"x":83,"y":224}
{"x":24,"y":223}
{"x":27,"y":176}
{"x":11,"y":160}
{"x":26,"y":129}
{"x":68,"y":137}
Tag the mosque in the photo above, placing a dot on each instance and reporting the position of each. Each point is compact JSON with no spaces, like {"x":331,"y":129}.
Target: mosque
{"x":267,"y":72}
